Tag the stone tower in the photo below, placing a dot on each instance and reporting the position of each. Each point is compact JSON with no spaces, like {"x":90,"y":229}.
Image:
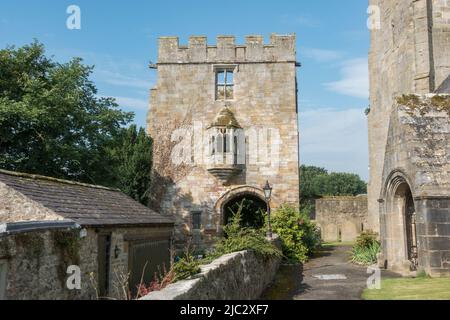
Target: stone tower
{"x":409,"y":54}
{"x":409,"y":134}
{"x":224,"y":121}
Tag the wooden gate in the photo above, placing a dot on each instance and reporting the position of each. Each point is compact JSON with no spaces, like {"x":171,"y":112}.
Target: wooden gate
{"x":147,"y":258}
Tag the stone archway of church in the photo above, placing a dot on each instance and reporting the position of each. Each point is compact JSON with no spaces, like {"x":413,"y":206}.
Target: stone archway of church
{"x":400,"y":223}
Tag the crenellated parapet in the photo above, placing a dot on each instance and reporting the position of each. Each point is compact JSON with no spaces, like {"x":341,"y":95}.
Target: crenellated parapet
{"x":281,"y":48}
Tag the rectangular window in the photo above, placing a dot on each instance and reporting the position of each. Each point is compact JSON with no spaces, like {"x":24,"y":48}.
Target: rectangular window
{"x":196,"y":220}
{"x":224,"y":84}
{"x":3,"y":279}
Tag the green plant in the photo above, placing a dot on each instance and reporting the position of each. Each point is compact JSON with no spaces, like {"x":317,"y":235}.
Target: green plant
{"x":366,"y":249}
{"x":365,"y":255}
{"x":68,"y":245}
{"x":32,"y":243}
{"x":238,"y":238}
{"x":185,"y":268}
{"x":300,"y":237}
{"x":366,"y":239}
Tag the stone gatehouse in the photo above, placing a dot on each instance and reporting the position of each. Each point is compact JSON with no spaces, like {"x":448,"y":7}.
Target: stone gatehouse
{"x":409,"y":142}
{"x":224,"y":120}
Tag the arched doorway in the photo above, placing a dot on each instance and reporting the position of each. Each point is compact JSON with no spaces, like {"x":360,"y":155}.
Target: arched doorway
{"x":405,"y":205}
{"x":400,"y":234}
{"x":255,"y":200}
{"x":253,"y":210}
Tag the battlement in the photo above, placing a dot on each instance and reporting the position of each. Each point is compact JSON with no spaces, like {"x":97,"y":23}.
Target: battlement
{"x":281,"y":48}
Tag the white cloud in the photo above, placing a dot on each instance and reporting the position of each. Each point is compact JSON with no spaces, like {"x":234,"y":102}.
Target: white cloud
{"x":132,"y":103}
{"x":335,"y":139}
{"x":321,"y":55}
{"x":354,"y":80}
{"x":122,"y":80}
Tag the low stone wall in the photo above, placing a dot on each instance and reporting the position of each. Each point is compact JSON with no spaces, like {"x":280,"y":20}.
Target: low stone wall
{"x":236,"y":276}
{"x":341,"y":218}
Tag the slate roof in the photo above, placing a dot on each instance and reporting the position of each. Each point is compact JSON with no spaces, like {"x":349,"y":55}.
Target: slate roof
{"x":87,"y":205}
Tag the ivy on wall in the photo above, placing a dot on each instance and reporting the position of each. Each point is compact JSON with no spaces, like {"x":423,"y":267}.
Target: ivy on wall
{"x":67,"y":243}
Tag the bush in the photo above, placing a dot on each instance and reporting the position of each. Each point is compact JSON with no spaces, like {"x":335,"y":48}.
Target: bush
{"x":238,"y":239}
{"x":299,"y":236}
{"x":185,"y":268}
{"x":366,"y":249}
{"x":366,"y":239}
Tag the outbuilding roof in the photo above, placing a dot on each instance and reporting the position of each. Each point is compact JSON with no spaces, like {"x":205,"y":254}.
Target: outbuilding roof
{"x":87,"y":205}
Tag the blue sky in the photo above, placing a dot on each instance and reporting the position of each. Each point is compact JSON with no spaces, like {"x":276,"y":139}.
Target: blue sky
{"x":120,"y":38}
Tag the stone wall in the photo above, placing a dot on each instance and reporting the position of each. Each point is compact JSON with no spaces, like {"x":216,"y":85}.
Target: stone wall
{"x":265,"y":101}
{"x":409,"y":54}
{"x":35,"y":265}
{"x":417,"y":160}
{"x":341,"y":218}
{"x":237,"y":276}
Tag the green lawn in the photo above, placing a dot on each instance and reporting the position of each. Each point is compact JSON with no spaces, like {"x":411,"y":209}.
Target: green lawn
{"x":411,"y":289}
{"x":338,"y":244}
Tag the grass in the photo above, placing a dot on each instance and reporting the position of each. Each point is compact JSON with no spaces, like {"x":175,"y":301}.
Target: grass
{"x":338,"y":244}
{"x":421,"y":288}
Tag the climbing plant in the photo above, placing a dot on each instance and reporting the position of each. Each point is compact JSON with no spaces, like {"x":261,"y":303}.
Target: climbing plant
{"x":68,"y":244}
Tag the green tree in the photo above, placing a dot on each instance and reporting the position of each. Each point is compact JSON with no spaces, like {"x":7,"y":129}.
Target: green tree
{"x":53,"y":123}
{"x":51,"y":120}
{"x":132,"y":157}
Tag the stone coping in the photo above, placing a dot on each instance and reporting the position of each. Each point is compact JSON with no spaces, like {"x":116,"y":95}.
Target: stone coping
{"x":179,"y":290}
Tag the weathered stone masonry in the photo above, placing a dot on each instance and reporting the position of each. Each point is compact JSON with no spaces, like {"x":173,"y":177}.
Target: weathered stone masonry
{"x":408,"y":54}
{"x":236,"y":276}
{"x":417,"y":167}
{"x":408,"y":134}
{"x":47,"y":225}
{"x":341,"y":218}
{"x":264,"y":105}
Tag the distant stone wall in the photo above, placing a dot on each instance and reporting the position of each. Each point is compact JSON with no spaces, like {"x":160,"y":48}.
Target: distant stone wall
{"x":237,"y":276}
{"x":341,"y":218}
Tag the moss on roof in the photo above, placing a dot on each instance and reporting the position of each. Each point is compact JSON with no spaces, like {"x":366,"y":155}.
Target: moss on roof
{"x":51,"y":179}
{"x":226,"y":119}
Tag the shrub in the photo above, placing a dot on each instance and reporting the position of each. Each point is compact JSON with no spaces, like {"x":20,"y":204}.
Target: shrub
{"x":185,"y":268}
{"x":299,"y":236}
{"x":238,"y":239}
{"x":366,"y":249}
{"x":366,"y":239}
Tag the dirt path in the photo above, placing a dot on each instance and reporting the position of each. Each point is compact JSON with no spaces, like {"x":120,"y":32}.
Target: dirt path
{"x":327,"y":276}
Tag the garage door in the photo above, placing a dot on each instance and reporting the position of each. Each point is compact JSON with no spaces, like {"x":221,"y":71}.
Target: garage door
{"x":146,"y":259}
